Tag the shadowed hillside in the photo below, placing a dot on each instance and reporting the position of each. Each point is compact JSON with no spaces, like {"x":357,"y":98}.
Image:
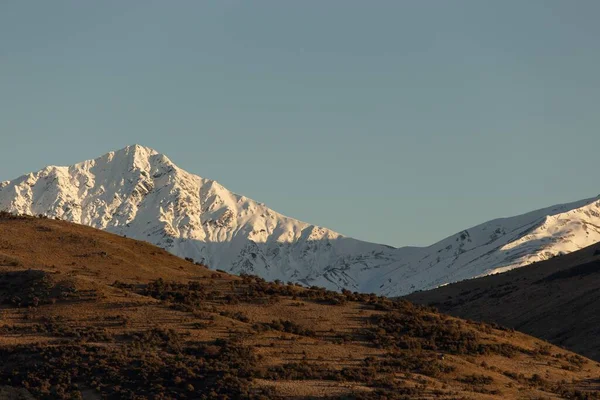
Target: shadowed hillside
{"x":557,"y":300}
{"x":88,"y":314}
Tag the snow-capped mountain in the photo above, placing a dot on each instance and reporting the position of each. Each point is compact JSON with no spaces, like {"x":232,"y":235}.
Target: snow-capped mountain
{"x":140,"y":193}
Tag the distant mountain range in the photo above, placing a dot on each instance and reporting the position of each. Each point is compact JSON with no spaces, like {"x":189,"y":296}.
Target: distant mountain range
{"x":140,"y":193}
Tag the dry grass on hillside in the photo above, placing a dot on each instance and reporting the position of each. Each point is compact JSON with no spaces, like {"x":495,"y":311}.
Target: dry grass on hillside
{"x":87,"y":314}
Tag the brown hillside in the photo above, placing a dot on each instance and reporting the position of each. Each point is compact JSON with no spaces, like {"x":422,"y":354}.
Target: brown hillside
{"x":86,"y":314}
{"x":557,"y":300}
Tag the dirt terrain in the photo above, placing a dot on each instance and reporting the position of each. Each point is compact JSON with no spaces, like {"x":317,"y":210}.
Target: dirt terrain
{"x":87,"y":314}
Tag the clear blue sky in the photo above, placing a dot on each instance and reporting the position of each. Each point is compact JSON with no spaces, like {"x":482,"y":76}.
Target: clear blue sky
{"x":391,"y":121}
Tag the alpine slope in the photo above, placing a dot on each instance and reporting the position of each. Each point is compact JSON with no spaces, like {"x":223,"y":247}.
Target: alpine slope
{"x":142,"y":194}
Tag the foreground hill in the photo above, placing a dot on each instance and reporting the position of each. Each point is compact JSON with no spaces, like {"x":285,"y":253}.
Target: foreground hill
{"x":142,"y":194}
{"x":88,"y":314}
{"x":557,"y":300}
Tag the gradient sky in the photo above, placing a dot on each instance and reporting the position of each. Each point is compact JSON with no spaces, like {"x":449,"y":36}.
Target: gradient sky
{"x":398,"y":122}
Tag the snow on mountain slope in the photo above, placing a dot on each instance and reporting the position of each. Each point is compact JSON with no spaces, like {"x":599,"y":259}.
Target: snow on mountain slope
{"x":140,"y":193}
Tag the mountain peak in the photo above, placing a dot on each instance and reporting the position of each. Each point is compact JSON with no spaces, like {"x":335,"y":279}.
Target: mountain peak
{"x":136,"y":150}
{"x":131,"y":157}
{"x":138,"y":192}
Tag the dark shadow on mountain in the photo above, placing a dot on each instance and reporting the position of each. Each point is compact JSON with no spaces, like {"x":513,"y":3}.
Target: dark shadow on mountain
{"x":557,"y":300}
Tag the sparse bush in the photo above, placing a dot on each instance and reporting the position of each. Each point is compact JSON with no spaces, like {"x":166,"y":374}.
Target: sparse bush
{"x":284,"y":326}
{"x":32,"y":288}
{"x":154,"y":364}
{"x":476,"y":379}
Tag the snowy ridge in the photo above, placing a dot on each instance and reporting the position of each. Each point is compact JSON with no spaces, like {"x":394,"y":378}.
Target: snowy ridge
{"x":140,"y":193}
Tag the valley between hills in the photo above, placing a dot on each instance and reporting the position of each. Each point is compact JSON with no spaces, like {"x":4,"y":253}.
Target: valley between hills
{"x":557,"y":300}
